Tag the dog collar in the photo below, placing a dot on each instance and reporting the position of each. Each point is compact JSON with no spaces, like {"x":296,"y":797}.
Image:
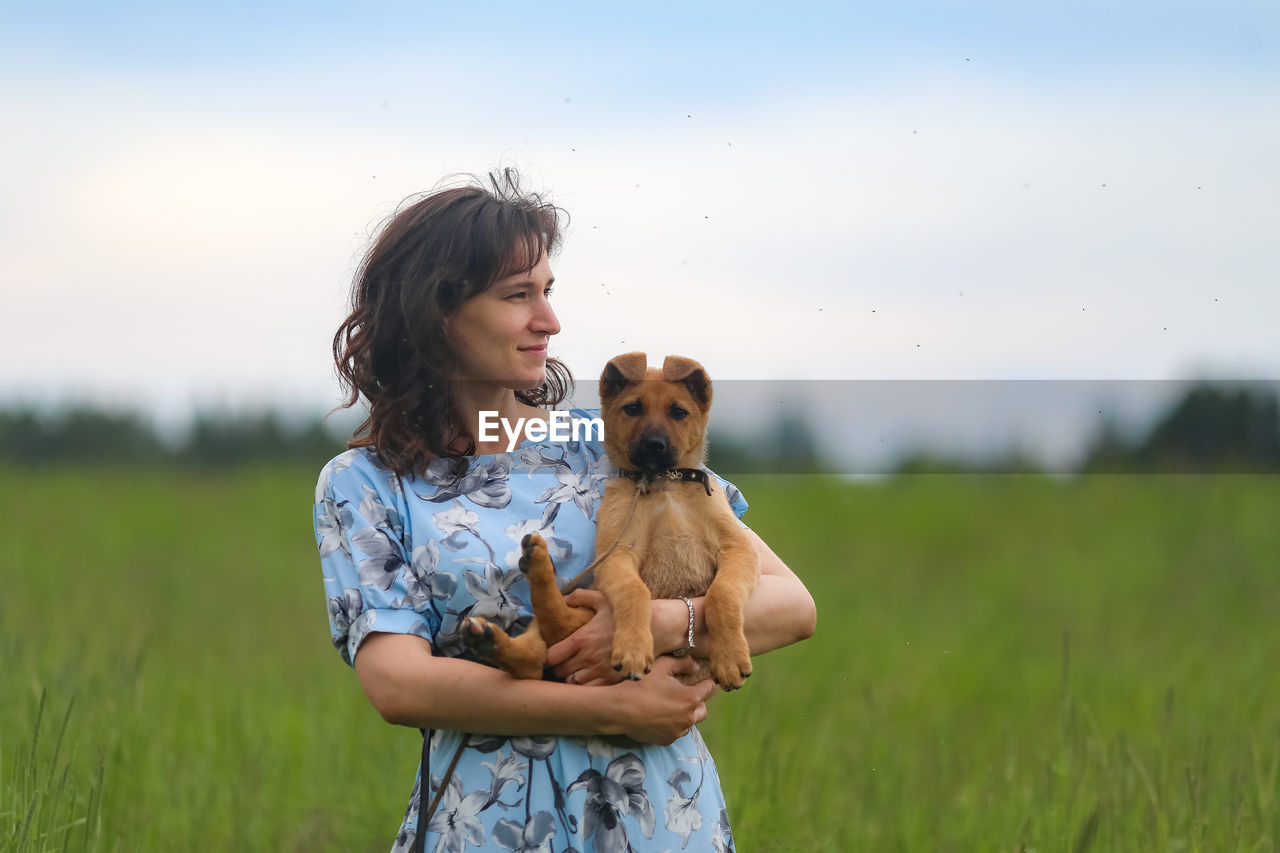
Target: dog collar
{"x":678,"y":475}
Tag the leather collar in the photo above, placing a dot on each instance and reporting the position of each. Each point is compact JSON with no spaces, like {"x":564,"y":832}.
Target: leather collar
{"x":675,"y":475}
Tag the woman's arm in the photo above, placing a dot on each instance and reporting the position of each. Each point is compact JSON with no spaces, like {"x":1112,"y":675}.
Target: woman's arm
{"x":411,"y":687}
{"x":779,"y":612}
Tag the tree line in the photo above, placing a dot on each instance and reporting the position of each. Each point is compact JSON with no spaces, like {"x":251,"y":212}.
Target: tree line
{"x":1213,"y":427}
{"x":88,"y":436}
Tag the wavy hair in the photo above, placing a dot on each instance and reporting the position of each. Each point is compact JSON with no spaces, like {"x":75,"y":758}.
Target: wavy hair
{"x":432,"y":255}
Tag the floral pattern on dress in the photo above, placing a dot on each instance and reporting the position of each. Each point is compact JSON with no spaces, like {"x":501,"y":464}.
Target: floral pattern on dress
{"x":416,"y":555}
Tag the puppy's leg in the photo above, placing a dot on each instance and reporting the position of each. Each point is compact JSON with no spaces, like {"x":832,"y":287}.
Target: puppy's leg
{"x":619,"y":579}
{"x":558,"y":620}
{"x":522,"y":656}
{"x":736,"y":577}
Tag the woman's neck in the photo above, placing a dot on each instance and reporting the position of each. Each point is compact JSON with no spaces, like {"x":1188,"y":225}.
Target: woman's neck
{"x":489,"y":415}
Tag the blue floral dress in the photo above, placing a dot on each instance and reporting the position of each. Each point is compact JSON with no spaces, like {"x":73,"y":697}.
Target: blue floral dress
{"x":415,"y":555}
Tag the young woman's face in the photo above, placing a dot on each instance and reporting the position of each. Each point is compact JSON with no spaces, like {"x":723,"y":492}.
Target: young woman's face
{"x":501,"y":335}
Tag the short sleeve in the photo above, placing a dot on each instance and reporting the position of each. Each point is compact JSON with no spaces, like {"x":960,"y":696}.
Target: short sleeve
{"x":736,"y":501}
{"x":371,"y":583}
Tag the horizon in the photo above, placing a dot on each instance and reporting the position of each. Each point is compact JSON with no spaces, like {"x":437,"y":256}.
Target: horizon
{"x":856,"y":427}
{"x":829,"y":192}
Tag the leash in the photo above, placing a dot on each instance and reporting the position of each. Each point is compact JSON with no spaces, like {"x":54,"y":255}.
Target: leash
{"x":582,"y":575}
{"x":424,"y":817}
{"x":643,"y":481}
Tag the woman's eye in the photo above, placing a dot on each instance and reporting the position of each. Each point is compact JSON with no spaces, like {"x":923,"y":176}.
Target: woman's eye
{"x":521,"y":295}
{"x":678,"y":414}
{"x":631,"y":409}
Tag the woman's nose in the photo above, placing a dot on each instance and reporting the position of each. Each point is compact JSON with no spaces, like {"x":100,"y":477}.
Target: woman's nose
{"x":545,"y":321}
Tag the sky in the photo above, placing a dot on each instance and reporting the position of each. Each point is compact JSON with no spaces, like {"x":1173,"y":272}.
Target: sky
{"x":782,"y":191}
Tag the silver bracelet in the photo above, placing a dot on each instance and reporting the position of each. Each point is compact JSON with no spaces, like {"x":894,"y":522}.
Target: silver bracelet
{"x":682,"y":652}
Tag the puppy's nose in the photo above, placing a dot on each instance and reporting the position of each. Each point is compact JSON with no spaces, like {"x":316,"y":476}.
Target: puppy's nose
{"x":655,"y":444}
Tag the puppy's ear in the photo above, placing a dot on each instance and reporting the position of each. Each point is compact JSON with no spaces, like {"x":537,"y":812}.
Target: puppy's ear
{"x":620,"y":372}
{"x":690,"y":373}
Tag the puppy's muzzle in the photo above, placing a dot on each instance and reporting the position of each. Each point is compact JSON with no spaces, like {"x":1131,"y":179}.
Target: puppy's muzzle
{"x":653,"y":452}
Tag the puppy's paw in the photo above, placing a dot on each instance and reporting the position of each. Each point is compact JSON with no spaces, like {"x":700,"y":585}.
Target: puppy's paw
{"x":533,"y":554}
{"x":731,"y":664}
{"x":633,"y":660}
{"x":478,"y":636}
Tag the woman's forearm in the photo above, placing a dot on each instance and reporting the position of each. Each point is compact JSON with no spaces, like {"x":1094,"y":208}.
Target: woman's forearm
{"x":779,"y":612}
{"x":411,"y":687}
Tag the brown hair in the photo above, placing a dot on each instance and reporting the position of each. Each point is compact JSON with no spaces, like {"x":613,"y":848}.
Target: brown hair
{"x":432,"y":255}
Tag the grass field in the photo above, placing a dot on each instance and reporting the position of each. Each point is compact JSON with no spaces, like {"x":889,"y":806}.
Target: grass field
{"x":1001,"y":664}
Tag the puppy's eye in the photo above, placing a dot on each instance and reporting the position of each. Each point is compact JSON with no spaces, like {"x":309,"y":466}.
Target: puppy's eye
{"x":632,"y":409}
{"x":678,"y":414}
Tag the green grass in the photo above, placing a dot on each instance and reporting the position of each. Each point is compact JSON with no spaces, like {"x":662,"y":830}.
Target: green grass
{"x":1001,"y":663}
{"x":185,"y":618}
{"x":1010,"y":662}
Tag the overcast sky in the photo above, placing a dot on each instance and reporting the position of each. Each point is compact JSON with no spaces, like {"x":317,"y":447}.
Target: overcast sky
{"x":909,"y":190}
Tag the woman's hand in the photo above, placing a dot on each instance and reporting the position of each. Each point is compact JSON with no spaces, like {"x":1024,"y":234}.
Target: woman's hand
{"x":583,"y":657}
{"x":660,"y":708}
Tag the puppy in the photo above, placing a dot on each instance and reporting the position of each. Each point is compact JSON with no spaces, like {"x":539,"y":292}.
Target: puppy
{"x":681,"y":538}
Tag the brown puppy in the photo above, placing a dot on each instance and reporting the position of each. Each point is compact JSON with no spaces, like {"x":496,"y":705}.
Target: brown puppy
{"x":681,"y":539}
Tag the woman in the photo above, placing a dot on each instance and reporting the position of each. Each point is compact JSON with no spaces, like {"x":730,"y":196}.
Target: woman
{"x":419,"y":526}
